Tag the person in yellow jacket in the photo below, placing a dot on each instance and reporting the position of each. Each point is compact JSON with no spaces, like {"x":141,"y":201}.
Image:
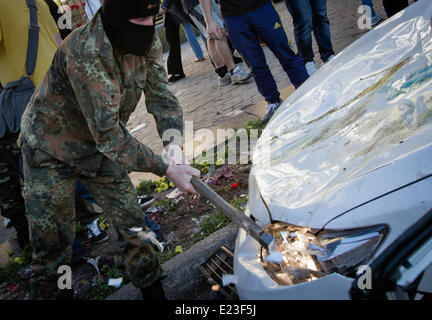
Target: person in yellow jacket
{"x":14,"y":26}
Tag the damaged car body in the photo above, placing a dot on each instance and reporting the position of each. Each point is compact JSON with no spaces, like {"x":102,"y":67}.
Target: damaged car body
{"x":344,"y":167}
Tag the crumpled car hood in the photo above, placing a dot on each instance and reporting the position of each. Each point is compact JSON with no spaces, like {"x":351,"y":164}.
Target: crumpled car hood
{"x":359,"y":128}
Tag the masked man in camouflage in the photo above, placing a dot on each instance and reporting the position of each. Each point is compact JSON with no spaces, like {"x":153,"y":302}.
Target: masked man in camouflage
{"x":75,"y":128}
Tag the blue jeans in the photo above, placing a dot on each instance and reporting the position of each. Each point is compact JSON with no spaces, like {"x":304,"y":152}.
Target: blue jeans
{"x":370,"y":5}
{"x":265,"y":22}
{"x":308,"y":16}
{"x":193,"y":41}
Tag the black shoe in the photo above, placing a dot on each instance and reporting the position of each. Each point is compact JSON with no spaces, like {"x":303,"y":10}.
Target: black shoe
{"x":154,"y":292}
{"x":176,"y":77}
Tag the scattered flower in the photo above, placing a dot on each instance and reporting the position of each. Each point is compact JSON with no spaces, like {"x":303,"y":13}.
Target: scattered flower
{"x":178,"y":249}
{"x":11,"y":287}
{"x":18,"y":260}
{"x":204,"y":163}
{"x":163,"y":186}
{"x":158,"y":190}
{"x":234,"y":185}
{"x":171,"y":184}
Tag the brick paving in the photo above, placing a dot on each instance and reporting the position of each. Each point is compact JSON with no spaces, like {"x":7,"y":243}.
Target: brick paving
{"x":213,"y":107}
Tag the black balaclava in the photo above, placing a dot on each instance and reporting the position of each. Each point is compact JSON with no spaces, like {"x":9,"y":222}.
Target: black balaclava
{"x":122,"y":33}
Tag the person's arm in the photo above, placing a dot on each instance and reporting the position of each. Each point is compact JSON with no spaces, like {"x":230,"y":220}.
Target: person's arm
{"x":97,"y":91}
{"x":213,"y":29}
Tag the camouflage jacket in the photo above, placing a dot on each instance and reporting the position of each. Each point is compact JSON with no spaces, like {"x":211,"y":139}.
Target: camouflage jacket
{"x":78,"y":114}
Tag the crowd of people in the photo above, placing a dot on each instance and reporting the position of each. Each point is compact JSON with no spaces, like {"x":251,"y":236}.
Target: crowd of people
{"x":67,"y":96}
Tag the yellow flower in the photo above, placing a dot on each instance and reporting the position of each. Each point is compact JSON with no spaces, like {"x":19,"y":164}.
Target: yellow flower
{"x":103,"y":225}
{"x":204,"y":163}
{"x":163,"y":179}
{"x":204,"y":170}
{"x":18,"y":260}
{"x":158,"y":190}
{"x":219,"y":162}
{"x":171,"y":184}
{"x":164,"y":186}
{"x":178,"y":249}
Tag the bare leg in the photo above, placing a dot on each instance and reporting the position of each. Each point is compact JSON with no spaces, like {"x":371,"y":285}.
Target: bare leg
{"x":214,"y":54}
{"x":224,"y":51}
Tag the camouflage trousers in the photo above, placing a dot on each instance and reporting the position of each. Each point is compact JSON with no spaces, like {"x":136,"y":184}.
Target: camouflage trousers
{"x":49,"y":193}
{"x":11,"y":200}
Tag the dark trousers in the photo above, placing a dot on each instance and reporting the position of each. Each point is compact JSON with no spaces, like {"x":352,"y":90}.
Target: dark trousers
{"x":311,"y":16}
{"x":265,"y":23}
{"x":174,"y":62}
{"x":49,"y":191}
{"x":12,"y":204}
{"x":394,"y":6}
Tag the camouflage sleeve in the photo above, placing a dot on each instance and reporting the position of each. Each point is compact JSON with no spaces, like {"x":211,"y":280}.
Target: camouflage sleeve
{"x":159,"y":95}
{"x":97,"y":91}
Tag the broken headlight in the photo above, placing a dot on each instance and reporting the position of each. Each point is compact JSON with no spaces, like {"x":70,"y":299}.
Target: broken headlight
{"x":298,"y":255}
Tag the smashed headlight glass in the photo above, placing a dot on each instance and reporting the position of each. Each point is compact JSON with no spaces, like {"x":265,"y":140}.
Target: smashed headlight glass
{"x":298,"y":255}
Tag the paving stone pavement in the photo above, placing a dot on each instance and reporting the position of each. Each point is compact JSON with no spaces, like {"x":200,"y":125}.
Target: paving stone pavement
{"x":213,"y":107}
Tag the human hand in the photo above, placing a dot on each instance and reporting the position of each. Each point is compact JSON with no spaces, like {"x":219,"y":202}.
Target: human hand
{"x":214,"y":30}
{"x":181,"y":175}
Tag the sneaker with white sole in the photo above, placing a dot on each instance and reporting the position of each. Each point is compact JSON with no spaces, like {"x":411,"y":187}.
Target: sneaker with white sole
{"x":226,"y":79}
{"x":330,"y":58}
{"x":95,"y":232}
{"x":7,"y":223}
{"x":311,"y":68}
{"x":240,"y":76}
{"x":271,"y":109}
{"x":375,"y":20}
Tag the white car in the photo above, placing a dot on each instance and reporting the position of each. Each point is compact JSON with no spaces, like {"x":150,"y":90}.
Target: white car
{"x":344,"y":167}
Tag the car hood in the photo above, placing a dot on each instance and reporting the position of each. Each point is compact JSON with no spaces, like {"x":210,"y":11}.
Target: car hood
{"x":359,"y":128}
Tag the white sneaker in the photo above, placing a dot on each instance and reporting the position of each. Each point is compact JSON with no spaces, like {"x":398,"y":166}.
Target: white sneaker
{"x":311,"y":68}
{"x":240,"y":76}
{"x":7,"y":223}
{"x":226,"y":79}
{"x":271,"y":109}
